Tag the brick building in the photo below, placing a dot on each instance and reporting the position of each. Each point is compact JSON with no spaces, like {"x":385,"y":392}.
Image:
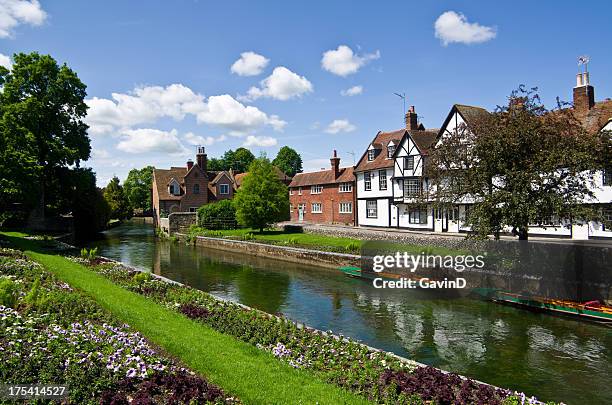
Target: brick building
{"x":326,"y":196}
{"x":186,"y":188}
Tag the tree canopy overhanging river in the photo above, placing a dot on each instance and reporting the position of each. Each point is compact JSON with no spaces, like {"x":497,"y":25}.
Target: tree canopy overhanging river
{"x":550,"y":357}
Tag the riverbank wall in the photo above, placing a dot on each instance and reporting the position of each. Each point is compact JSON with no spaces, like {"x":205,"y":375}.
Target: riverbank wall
{"x":330,"y":260}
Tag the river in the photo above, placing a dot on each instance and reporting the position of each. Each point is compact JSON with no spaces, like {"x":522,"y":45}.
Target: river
{"x":550,"y":357}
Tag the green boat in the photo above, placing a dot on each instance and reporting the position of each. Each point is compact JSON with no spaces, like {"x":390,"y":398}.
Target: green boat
{"x":591,"y":310}
{"x":356,"y":272}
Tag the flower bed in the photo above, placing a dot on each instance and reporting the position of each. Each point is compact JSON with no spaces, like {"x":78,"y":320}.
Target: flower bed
{"x":52,"y":334}
{"x":377,"y":375}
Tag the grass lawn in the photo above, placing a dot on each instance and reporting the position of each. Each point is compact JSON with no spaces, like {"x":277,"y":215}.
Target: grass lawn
{"x":239,"y":368}
{"x":321,"y":242}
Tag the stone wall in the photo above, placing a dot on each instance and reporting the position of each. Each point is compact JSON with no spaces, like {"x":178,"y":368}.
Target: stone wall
{"x":181,"y":221}
{"x":290,"y":254}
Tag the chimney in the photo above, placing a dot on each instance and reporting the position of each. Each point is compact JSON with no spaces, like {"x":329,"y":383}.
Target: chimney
{"x":335,"y":164}
{"x":201,"y":158}
{"x":411,"y":119}
{"x":189,"y":164}
{"x":584,"y":93}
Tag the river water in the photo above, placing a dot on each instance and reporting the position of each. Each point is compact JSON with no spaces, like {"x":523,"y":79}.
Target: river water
{"x":550,"y":357}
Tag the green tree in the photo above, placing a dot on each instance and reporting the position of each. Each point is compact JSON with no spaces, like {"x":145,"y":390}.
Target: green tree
{"x":239,"y":160}
{"x":117,"y":200}
{"x":137,"y":188}
{"x":262,"y":199}
{"x":218,"y":215}
{"x":288,"y":160}
{"x":523,"y":165}
{"x":43,"y":107}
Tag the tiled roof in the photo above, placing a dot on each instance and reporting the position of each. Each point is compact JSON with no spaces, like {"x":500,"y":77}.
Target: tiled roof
{"x":424,"y":140}
{"x":322,"y":177}
{"x":595,"y":118}
{"x":381,"y":141}
{"x":163,"y":178}
{"x":471,"y":113}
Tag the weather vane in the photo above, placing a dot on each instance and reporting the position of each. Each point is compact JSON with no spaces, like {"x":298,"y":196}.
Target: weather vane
{"x":584,"y":61}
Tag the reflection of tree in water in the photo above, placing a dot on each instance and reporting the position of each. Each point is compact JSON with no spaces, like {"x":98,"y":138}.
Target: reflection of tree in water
{"x":266,"y":291}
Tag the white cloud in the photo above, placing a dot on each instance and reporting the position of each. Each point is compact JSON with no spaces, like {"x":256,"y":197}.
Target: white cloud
{"x":352,"y":91}
{"x":454,"y":27}
{"x":6,"y":61}
{"x":249,"y":64}
{"x":98,"y":153}
{"x":343,"y":61}
{"x":146,"y":140}
{"x":193,"y":139}
{"x":16,"y":12}
{"x":261,"y":141}
{"x":145,"y":105}
{"x":282,"y":84}
{"x":314,"y":165}
{"x":338,"y":126}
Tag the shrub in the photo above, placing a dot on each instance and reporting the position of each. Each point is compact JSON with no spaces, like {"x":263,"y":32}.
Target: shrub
{"x":248,"y":236}
{"x":141,"y":277}
{"x":352,"y":247}
{"x":219,"y":215}
{"x":89,"y":254}
{"x":32,"y":298}
{"x":8,"y":292}
{"x":293,"y":229}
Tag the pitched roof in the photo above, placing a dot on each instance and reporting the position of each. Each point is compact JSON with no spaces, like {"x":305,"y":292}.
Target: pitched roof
{"x":425,"y":139}
{"x":381,"y":140}
{"x":322,"y":177}
{"x":597,"y":117}
{"x":470,"y":113}
{"x":162,"y":179}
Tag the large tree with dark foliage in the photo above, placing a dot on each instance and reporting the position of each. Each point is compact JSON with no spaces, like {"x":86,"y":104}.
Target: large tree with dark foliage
{"x":42,"y":107}
{"x":288,"y":160}
{"x":523,"y":165}
{"x":262,"y":199}
{"x":117,"y":200}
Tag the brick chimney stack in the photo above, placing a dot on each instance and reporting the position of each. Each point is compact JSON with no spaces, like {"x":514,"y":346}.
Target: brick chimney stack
{"x":584,"y":93}
{"x":335,"y":164}
{"x":201,"y":158}
{"x":411,"y":119}
{"x":189,"y":164}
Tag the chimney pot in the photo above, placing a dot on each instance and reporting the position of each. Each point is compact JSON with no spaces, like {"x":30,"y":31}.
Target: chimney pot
{"x":584,"y":93}
{"x":412,"y":119}
{"x":189,"y":164}
{"x":335,"y":164}
{"x":202,"y":159}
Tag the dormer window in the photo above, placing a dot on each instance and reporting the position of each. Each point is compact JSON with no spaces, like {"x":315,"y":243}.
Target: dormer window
{"x":390,"y":150}
{"x":174,"y":188}
{"x":196,"y":189}
{"x":371,"y":154}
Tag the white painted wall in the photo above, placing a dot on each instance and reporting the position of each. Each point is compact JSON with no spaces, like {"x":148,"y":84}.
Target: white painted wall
{"x":383,"y":213}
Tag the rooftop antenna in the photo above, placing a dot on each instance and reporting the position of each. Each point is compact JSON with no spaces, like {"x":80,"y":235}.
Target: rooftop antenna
{"x":403,"y":97}
{"x":352,"y":153}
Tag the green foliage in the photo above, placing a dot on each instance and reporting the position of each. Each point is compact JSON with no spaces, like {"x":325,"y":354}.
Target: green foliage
{"x":42,"y":108}
{"x":8,"y":292}
{"x":288,"y":160}
{"x":248,"y":236}
{"x":352,"y":247}
{"x":137,"y":188}
{"x":141,"y":277}
{"x":262,"y":199}
{"x":33,"y":296}
{"x":117,"y":200}
{"x":89,"y":254}
{"x":238,"y":160}
{"x":217,"y":215}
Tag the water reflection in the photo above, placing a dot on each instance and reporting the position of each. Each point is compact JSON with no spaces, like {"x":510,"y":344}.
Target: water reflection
{"x":553,"y":358}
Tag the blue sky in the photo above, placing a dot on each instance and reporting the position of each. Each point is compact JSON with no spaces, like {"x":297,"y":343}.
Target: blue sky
{"x":160,"y":77}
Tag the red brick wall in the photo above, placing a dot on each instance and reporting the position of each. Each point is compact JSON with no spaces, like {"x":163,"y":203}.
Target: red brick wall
{"x":330,"y":198}
{"x":190,"y":199}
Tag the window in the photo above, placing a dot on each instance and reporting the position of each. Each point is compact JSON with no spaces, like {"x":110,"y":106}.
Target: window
{"x":453,"y":214}
{"x":468,"y":210}
{"x":382,"y":179}
{"x":371,"y":154}
{"x":299,"y":190}
{"x":316,"y":189}
{"x":196,"y":189}
{"x":346,"y":187}
{"x":290,"y":207}
{"x":607,"y":177}
{"x":291,"y":191}
{"x":390,"y":150}
{"x":346,"y":207}
{"x":607,"y":217}
{"x":371,"y":209}
{"x":316,"y":208}
{"x":301,"y":207}
{"x":409,"y":163}
{"x":224,"y":189}
{"x":367,"y":181}
{"x":412,"y":187}
{"x":193,"y":209}
{"x":417,"y":216}
{"x":174,"y":188}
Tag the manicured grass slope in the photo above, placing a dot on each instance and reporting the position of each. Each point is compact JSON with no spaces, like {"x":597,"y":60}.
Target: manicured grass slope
{"x":239,"y":368}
